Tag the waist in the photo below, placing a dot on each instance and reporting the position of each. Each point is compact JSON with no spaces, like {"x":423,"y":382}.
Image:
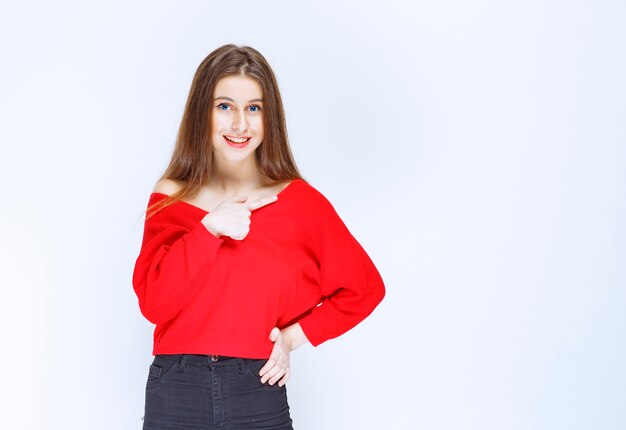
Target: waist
{"x":206,"y":358}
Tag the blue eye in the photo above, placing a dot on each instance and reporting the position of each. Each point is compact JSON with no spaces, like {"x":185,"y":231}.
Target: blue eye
{"x":225,"y":106}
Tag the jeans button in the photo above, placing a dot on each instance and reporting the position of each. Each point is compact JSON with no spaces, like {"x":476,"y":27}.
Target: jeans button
{"x":214,"y":358}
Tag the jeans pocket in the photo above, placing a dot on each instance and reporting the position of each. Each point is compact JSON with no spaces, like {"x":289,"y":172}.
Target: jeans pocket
{"x":161,"y":366}
{"x":254,"y":367}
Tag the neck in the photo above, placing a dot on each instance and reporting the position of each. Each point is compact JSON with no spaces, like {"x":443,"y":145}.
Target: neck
{"x":234,"y":177}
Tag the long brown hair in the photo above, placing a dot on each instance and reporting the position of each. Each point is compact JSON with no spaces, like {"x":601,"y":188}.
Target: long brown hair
{"x":192,"y":159}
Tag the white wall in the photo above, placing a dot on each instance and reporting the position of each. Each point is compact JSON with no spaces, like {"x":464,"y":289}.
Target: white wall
{"x":477,"y":150}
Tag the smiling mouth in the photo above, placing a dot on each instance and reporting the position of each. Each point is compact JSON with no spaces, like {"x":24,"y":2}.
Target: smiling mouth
{"x":238,"y":140}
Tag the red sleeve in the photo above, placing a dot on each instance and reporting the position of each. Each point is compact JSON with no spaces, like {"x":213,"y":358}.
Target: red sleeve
{"x":350,"y":283}
{"x":171,"y":257}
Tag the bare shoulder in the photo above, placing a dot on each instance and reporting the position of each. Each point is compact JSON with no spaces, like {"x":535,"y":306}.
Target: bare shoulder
{"x":167,"y":186}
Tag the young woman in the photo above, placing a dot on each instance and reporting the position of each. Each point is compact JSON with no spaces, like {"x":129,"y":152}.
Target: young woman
{"x":238,"y":251}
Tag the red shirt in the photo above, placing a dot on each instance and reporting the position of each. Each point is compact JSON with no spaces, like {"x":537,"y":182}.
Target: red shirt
{"x":210,"y":295}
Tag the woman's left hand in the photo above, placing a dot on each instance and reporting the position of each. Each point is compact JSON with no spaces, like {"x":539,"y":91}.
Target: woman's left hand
{"x":277,"y":365}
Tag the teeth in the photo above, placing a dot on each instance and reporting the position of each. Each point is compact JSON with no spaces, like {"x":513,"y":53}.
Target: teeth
{"x":237,"y":140}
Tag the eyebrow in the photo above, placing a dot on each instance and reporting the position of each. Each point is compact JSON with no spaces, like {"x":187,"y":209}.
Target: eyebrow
{"x":231,"y":100}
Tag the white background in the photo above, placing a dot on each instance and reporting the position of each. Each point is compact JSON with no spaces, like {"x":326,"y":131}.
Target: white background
{"x":477,"y":151}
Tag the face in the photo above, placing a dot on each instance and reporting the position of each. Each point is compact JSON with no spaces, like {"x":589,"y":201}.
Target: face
{"x":237,"y":120}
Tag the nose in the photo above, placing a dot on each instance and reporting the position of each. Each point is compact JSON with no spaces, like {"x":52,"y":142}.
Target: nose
{"x":240,"y":122}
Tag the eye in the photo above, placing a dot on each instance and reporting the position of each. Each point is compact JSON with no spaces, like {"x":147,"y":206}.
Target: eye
{"x":258,"y":108}
{"x":222,"y":104}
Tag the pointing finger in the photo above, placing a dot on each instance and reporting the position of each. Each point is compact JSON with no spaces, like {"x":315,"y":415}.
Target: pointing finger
{"x":238,"y":198}
{"x":255,"y":204}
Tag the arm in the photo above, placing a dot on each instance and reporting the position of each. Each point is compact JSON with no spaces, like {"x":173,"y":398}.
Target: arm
{"x":349,"y":282}
{"x":171,"y":257}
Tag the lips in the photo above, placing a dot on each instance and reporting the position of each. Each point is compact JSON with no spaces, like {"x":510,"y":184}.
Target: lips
{"x":236,"y":139}
{"x":237,"y":142}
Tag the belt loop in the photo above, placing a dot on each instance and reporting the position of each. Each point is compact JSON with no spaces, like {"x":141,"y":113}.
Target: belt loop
{"x":242,"y":365}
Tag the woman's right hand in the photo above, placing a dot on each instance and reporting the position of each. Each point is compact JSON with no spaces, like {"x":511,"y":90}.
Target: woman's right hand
{"x":232,"y":216}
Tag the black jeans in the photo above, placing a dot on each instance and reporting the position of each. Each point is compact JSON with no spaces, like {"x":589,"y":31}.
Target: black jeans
{"x":190,"y":391}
